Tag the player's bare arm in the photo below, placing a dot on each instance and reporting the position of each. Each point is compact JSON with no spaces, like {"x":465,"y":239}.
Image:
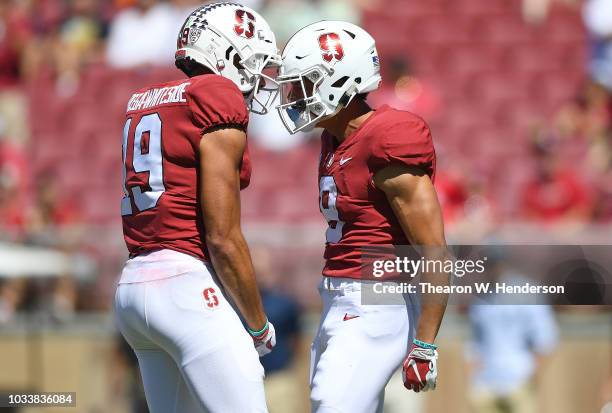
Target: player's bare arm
{"x":220,"y":156}
{"x":413,"y":198}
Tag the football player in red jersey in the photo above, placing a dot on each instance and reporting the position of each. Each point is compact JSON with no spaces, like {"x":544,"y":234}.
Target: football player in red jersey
{"x":185,"y":160}
{"x":376,"y":188}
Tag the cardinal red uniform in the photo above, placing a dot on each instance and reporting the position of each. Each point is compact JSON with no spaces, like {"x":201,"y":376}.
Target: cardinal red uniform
{"x":193,"y":352}
{"x":357,"y":212}
{"x":161,"y":138}
{"x":358,"y":347}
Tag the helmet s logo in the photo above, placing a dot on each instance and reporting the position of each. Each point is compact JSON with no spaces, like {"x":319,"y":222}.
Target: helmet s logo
{"x":331,"y":48}
{"x":245,"y":24}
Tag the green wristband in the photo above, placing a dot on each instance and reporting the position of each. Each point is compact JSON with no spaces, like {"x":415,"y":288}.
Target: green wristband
{"x":260,"y":332}
{"x":423,"y":344}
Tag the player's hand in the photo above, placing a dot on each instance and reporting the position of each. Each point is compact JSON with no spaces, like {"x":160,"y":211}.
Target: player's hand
{"x":420,"y":369}
{"x":264,"y":340}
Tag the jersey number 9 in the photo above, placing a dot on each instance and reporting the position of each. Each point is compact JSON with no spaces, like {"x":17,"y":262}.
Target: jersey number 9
{"x":328,"y":192}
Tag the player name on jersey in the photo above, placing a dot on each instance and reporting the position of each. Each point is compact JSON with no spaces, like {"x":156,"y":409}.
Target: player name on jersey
{"x":155,"y":97}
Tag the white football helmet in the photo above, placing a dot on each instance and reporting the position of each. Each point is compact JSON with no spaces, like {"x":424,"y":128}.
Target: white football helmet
{"x":235,"y":42}
{"x":337,"y":59}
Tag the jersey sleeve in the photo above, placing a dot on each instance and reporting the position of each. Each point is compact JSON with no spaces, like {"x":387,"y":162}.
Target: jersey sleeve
{"x":407,"y":142}
{"x":216,"y":101}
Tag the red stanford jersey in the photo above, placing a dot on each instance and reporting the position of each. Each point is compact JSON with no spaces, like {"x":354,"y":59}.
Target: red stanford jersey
{"x":161,"y":136}
{"x":357,"y":212}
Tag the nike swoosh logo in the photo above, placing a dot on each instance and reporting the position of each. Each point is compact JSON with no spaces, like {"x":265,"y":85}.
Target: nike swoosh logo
{"x":348,"y":317}
{"x":343,"y":161}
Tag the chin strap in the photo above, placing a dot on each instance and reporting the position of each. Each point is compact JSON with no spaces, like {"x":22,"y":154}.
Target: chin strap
{"x":350,"y":93}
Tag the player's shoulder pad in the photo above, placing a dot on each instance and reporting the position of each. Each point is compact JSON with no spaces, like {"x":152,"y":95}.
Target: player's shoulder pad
{"x":216,"y":101}
{"x":397,"y":126}
{"x":401,"y":137}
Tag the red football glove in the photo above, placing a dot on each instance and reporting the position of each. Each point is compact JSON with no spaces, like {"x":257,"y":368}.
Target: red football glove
{"x":420,"y":370}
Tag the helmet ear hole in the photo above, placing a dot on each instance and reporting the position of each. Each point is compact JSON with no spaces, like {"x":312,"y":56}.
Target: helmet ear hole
{"x":358,"y":80}
{"x":349,"y":33}
{"x":340,"y":82}
{"x":331,"y":97}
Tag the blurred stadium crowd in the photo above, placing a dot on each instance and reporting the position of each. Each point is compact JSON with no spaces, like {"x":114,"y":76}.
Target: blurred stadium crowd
{"x":518,"y":95}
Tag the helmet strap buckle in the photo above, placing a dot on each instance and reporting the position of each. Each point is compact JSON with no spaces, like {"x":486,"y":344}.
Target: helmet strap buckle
{"x":347,"y":96}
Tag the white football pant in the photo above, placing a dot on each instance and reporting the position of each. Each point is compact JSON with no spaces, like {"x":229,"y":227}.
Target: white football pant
{"x":193,"y":352}
{"x":357,"y":348}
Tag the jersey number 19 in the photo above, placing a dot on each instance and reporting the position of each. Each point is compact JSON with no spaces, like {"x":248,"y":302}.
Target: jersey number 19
{"x":146,"y":158}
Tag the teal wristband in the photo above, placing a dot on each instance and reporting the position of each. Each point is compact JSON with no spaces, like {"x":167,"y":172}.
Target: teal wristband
{"x":260,"y":332}
{"x":423,"y":344}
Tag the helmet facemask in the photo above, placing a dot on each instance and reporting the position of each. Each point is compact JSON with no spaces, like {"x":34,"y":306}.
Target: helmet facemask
{"x":248,"y":69}
{"x":260,"y":71}
{"x":301,"y":106}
